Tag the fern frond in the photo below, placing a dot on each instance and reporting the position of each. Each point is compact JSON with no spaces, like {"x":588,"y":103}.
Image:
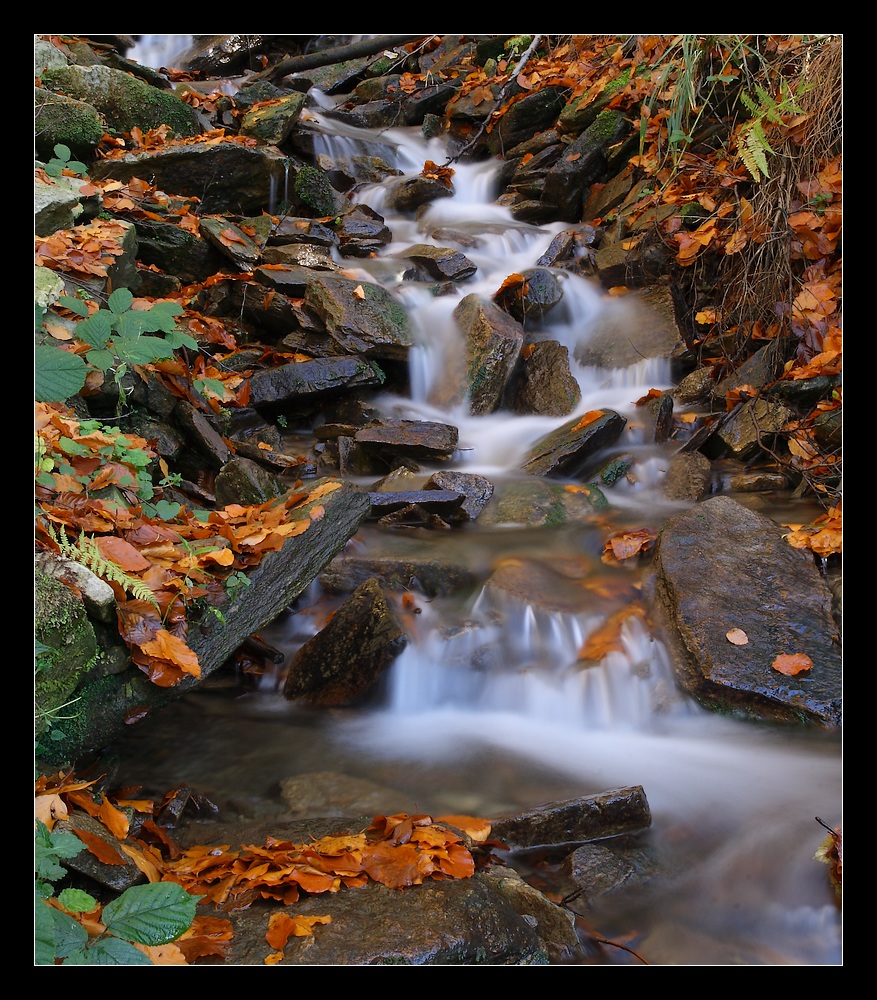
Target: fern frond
{"x":88,"y":553}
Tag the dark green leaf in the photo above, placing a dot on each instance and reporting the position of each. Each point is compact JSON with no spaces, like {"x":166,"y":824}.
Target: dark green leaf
{"x":58,"y":374}
{"x":151,"y":914}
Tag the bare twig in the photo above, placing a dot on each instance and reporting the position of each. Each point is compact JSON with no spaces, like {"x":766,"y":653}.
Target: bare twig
{"x":537,"y":39}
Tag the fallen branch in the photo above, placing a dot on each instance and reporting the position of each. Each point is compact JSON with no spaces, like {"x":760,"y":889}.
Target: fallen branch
{"x":537,"y":39}
{"x":340,"y":53}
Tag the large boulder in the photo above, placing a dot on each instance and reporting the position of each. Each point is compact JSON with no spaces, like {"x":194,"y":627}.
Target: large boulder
{"x":733,"y":595}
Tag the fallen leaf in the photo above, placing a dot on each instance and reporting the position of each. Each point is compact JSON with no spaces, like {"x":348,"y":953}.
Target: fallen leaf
{"x":737,"y":636}
{"x":792,"y":663}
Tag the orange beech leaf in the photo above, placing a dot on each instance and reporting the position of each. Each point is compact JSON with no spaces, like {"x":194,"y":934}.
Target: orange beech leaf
{"x":457,"y":862}
{"x":737,"y":636}
{"x":122,"y":553}
{"x":163,"y":954}
{"x":607,"y":638}
{"x":588,"y":418}
{"x":474,"y":827}
{"x":626,"y":544}
{"x":397,"y":866}
{"x":113,"y":819}
{"x":169,"y":647}
{"x":206,"y":936}
{"x":49,"y":809}
{"x":282,"y":926}
{"x":792,"y":663}
{"x":104,"y":852}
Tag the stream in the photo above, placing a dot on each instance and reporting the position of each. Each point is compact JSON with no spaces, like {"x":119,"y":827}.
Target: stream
{"x":488,"y":709}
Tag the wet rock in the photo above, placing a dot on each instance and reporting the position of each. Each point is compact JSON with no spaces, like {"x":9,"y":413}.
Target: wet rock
{"x":543,"y":382}
{"x":419,"y":438}
{"x":432,"y":577}
{"x":688,"y":477}
{"x":273,"y":123}
{"x":493,"y":342}
{"x":636,"y":326}
{"x":439,"y":262}
{"x":598,"y":869}
{"x":243,"y":481}
{"x":444,"y":502}
{"x":534,"y":297}
{"x":176,"y":251}
{"x":361,"y":232}
{"x":476,"y":491}
{"x":297,"y":379}
{"x":361,"y":316}
{"x":747,"y":428}
{"x":720,"y":566}
{"x":535,"y":502}
{"x":410,"y":193}
{"x":123,"y":101}
{"x":592,"y":817}
{"x":244,"y":179}
{"x":566,"y":450}
{"x":345,"y":659}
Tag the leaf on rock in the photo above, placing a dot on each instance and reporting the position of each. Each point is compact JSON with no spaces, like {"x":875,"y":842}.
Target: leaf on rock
{"x":792,"y":663}
{"x":104,"y":852}
{"x":737,"y":636}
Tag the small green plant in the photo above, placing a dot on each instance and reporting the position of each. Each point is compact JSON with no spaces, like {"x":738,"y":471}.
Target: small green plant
{"x":153,"y":914}
{"x":62,"y":160}
{"x":108,"y":444}
{"x":752,"y":142}
{"x":118,"y":337}
{"x":236,"y":582}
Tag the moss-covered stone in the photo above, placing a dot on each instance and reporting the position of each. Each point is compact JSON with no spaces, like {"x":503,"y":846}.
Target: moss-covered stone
{"x":313,"y":190}
{"x":61,"y":119}
{"x":124,"y":101}
{"x":62,"y":625}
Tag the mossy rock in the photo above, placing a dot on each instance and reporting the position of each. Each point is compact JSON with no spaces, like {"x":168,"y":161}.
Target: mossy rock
{"x":124,"y":101}
{"x":62,"y":625}
{"x":60,"y":119}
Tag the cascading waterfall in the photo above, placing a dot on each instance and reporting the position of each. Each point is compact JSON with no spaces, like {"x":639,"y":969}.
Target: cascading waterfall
{"x":490,"y":705}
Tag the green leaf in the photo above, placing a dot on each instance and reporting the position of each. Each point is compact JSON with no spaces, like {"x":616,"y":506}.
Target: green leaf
{"x":164,"y":510}
{"x":177,"y":338}
{"x":143,"y":350}
{"x":210,"y":386}
{"x":58,"y":374}
{"x":73,"y":304}
{"x":77,"y":900}
{"x":101,"y":359}
{"x":97,"y":329}
{"x":151,"y":914}
{"x":56,"y":935}
{"x":62,"y":151}
{"x":112,"y":951}
{"x":120,"y":301}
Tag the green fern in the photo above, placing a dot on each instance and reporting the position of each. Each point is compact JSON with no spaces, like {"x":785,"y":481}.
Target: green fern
{"x":752,"y":143}
{"x":88,"y":553}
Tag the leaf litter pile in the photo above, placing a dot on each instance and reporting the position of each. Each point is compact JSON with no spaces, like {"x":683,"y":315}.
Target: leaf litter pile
{"x":396,"y":851}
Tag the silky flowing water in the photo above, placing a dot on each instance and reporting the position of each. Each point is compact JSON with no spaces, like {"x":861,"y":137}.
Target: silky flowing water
{"x":488,"y":709}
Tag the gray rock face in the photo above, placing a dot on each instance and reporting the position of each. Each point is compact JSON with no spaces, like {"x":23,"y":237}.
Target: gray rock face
{"x":720,"y":566}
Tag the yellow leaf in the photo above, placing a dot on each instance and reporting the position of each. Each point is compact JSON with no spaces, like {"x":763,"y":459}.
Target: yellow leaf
{"x":359,"y":292}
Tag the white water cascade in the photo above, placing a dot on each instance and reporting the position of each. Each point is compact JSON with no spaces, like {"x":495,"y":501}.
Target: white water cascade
{"x":488,"y":708}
